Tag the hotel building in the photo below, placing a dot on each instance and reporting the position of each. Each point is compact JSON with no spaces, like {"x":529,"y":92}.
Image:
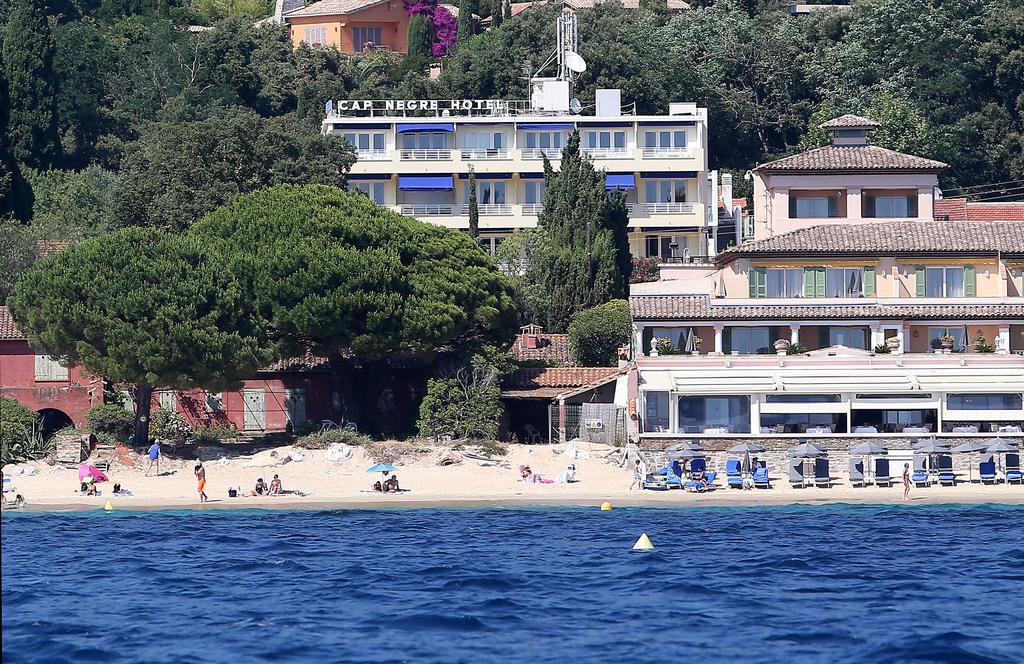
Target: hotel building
{"x":855,"y":313}
{"x":415,"y":157}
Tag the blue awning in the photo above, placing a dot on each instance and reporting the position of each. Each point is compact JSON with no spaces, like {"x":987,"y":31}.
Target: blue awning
{"x":425,"y":183}
{"x":667,"y":123}
{"x":624,"y":181}
{"x":531,"y":176}
{"x":425,"y":127}
{"x":550,"y":126}
{"x":369,"y":176}
{"x":487,"y":176}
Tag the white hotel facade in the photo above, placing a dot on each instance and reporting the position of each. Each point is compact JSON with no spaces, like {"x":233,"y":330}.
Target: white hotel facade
{"x":415,"y":157}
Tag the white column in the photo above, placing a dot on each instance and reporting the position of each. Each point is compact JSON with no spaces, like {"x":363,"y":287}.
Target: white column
{"x":718,"y":339}
{"x":876,"y":336}
{"x":903,"y":335}
{"x":1002,"y":340}
{"x":853,"y":203}
{"x":794,"y":333}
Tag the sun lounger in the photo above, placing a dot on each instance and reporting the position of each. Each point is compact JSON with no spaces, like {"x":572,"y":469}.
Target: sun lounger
{"x":946,"y":475}
{"x":700,"y":487}
{"x":698,"y":464}
{"x":1014,"y":477}
{"x":672,"y":479}
{"x":857,"y":472}
{"x":796,"y":473}
{"x":1013,"y":473}
{"x":987,"y":472}
{"x":733,"y":475}
{"x":882,"y":473}
{"x":920,"y":478}
{"x":821,"y":474}
{"x":761,"y":480}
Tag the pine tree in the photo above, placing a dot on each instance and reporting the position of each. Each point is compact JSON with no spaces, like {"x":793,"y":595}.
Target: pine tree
{"x":28,"y":51}
{"x":584,"y":260}
{"x":421,"y":37}
{"x":474,"y":210}
{"x":465,"y":21}
{"x":658,"y":8}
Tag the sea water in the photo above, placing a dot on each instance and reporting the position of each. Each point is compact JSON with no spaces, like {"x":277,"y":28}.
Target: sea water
{"x":802,"y":583}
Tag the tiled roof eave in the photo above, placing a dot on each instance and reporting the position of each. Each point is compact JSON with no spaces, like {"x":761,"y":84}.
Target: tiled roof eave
{"x":782,"y":170}
{"x":727,"y":257}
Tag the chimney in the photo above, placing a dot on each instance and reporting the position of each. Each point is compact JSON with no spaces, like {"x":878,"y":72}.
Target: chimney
{"x":727,"y":191}
{"x":530,"y":337}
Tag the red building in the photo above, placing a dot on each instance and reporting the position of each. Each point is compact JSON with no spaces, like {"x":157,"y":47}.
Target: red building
{"x":298,"y":390}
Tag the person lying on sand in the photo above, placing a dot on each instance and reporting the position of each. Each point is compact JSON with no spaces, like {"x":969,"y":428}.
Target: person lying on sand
{"x":531,"y":477}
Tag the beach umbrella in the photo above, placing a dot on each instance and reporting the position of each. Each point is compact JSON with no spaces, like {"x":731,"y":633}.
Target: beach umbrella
{"x":997,"y":445}
{"x":805,"y":451}
{"x":932,"y":447}
{"x":970,"y":447}
{"x":746,"y":448}
{"x":869,"y":448}
{"x":381,"y":468}
{"x":691,"y":445}
{"x":686,"y":454}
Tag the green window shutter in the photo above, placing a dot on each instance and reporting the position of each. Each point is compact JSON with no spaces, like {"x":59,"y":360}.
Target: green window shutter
{"x":869,"y":281}
{"x":919,"y":279}
{"x":792,"y":206}
{"x":969,"y":281}
{"x":912,"y":206}
{"x":758,"y":282}
{"x":808,"y":282}
{"x":819,"y":282}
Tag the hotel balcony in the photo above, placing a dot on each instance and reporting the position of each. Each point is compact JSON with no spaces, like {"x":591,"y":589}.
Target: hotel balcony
{"x":607,"y":153}
{"x":374,"y":155}
{"x":490,"y":210}
{"x":425,"y":155}
{"x":666,"y":153}
{"x":426,"y":209}
{"x":476,"y":155}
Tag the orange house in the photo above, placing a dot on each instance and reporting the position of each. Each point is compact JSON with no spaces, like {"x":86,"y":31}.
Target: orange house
{"x":351,"y":26}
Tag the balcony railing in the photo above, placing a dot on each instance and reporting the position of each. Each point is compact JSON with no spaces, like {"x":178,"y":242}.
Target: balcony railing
{"x":430,"y":210}
{"x":539,"y":153}
{"x":374,"y":155}
{"x":425,"y":155}
{"x":607,"y":153}
{"x":532,"y":209}
{"x":666,"y":153}
{"x":485,"y":154}
{"x":686,"y":260}
{"x":490,"y":209}
{"x":669,"y":208}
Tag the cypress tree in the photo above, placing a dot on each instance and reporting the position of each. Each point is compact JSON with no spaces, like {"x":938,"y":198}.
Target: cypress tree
{"x":496,"y":14}
{"x":421,"y":37}
{"x":508,"y":9}
{"x":15,"y":193}
{"x":465,"y":21}
{"x":28,"y":52}
{"x":474,"y":210}
{"x":585,"y":258}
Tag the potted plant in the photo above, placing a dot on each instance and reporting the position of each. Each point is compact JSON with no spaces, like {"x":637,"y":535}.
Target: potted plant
{"x":696,"y":343}
{"x":882,"y":349}
{"x":981,"y":344}
{"x":781,"y":346}
{"x":893,"y":343}
{"x":947,"y":341}
{"x":796,"y":349}
{"x":664,"y":346}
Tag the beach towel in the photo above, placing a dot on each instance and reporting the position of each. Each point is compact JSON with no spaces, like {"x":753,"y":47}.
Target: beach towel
{"x":573,"y":451}
{"x":566,"y":476}
{"x":339,"y":452}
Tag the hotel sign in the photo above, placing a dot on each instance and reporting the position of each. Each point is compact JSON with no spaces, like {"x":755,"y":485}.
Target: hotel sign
{"x":384,"y":106}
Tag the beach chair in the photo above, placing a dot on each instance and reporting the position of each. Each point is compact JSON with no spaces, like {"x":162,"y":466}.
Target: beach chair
{"x":673,"y":479}
{"x":946,"y":475}
{"x":694,"y":485}
{"x":734,"y":477}
{"x":1013,"y":474}
{"x":796,"y":473}
{"x":698,"y":464}
{"x":857,"y":472}
{"x":987,"y":472}
{"x":882,"y":473}
{"x":761,"y":480}
{"x":821,"y":474}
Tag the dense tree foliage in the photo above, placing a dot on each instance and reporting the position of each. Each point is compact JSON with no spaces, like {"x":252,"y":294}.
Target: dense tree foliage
{"x":142,"y":307}
{"x":595,"y":335}
{"x":421,"y":38}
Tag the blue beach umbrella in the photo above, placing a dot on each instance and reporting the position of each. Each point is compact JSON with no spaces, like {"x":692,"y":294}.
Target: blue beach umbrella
{"x":382,"y":468}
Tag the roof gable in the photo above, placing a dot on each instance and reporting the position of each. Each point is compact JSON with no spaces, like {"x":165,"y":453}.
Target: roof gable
{"x":852,"y":159}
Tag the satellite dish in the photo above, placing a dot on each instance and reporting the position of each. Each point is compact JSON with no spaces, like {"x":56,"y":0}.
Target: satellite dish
{"x":575,"y":106}
{"x":575,"y":63}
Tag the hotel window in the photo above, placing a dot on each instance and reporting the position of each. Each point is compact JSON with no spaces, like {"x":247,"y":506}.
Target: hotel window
{"x":747,"y":340}
{"x":535,"y":192}
{"x":844,"y":281}
{"x":1008,"y":401}
{"x":660,"y":246}
{"x":365,"y":141}
{"x":665,"y":191}
{"x":543,"y":140}
{"x":701,"y":414}
{"x":945,"y":281}
{"x":483,"y":140}
{"x":606,"y":140}
{"x":665,"y":139}
{"x":425,"y":141}
{"x":785,"y":282}
{"x":851,"y":337}
{"x":489,"y":192}
{"x":656,"y":411}
{"x":959,"y":335}
{"x":898,"y":207}
{"x":373,"y":190}
{"x":813,"y":207}
{"x":315,"y":36}
{"x":361,"y":37}
{"x":214,"y":402}
{"x":48,"y":368}
{"x":823,"y":282}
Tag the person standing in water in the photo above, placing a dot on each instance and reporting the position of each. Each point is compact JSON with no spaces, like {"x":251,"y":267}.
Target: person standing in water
{"x":201,"y":476}
{"x":906,"y":481}
{"x":154,"y":458}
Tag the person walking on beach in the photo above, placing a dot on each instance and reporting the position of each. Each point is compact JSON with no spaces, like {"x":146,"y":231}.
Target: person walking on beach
{"x":154,"y":458}
{"x":201,"y":476}
{"x":906,"y":481}
{"x":640,"y":474}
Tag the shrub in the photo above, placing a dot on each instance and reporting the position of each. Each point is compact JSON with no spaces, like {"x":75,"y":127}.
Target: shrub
{"x":596,"y":334}
{"x":213,"y":435}
{"x":645,"y":270}
{"x":981,"y":344}
{"x":111,"y":419}
{"x":321,"y":440}
{"x":465,"y":406}
{"x":20,"y":432}
{"x":664,"y":346}
{"x":882,"y":349}
{"x":796,"y":349}
{"x":169,"y":426}
{"x":492,"y":448}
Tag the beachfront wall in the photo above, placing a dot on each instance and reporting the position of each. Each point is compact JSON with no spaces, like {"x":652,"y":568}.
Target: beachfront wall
{"x":265,"y":404}
{"x":44,"y":386}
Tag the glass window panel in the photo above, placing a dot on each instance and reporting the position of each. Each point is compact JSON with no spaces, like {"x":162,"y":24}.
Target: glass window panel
{"x":680,"y":191}
{"x":665,"y":139}
{"x":959,"y":335}
{"x":656,"y":407}
{"x":776,"y":283}
{"x":498,"y":140}
{"x":531,"y":140}
{"x":665,"y":190}
{"x":349,"y":138}
{"x":650,"y":139}
{"x":620,"y":139}
{"x":954,"y":279}
{"x":378,"y":141}
{"x":933,"y":281}
{"x":852,"y":337}
{"x":650,"y":192}
{"x":364,"y":141}
{"x":605,"y":140}
{"x":1007,"y":401}
{"x":679,"y":139}
{"x":556,"y":140}
{"x":699,"y":413}
{"x":499,"y":193}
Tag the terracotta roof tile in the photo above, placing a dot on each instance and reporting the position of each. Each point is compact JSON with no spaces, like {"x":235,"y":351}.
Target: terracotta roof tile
{"x":950,"y":209}
{"x":569,"y":377}
{"x":852,"y":158}
{"x":849,"y":120}
{"x":890,"y":238}
{"x":961,"y":209}
{"x":8,"y":329}
{"x":552,"y":348}
{"x":331,"y":7}
{"x":700,"y":307}
{"x":673,"y":5}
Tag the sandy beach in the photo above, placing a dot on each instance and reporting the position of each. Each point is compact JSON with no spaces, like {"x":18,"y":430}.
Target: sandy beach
{"x":472,"y":483}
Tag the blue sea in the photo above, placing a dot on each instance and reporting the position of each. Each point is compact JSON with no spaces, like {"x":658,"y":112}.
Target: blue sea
{"x":798,"y":584}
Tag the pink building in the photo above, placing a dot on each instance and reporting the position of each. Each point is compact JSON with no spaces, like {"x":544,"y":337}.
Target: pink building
{"x":849,"y":181}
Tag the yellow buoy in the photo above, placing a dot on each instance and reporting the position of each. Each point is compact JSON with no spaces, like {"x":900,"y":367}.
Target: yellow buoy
{"x":109,"y":506}
{"x":643,"y":543}
{"x":606,"y":507}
